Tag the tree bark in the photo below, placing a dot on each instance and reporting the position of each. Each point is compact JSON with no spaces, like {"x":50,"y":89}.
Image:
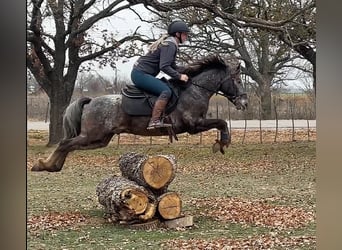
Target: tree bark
{"x":58,"y":104}
{"x":152,"y":172}
{"x":266,"y":101}
{"x":125,"y":201}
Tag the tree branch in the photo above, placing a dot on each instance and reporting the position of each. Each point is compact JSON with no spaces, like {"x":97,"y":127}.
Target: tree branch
{"x":114,"y":46}
{"x":102,"y":14}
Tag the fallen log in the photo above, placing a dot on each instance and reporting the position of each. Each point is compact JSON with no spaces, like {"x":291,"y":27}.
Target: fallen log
{"x":169,"y":205}
{"x":152,"y":172}
{"x":124,"y":200}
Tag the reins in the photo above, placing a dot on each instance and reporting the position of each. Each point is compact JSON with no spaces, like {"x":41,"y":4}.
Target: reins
{"x":216,"y":91}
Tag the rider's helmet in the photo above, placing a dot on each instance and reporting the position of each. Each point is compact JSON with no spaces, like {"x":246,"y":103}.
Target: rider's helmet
{"x":177,"y":26}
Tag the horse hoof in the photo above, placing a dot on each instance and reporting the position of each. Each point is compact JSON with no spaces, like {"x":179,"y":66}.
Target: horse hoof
{"x":53,"y":169}
{"x":222,"y":150}
{"x":216,"y":147}
{"x":36,"y":168}
{"x":219,"y":146}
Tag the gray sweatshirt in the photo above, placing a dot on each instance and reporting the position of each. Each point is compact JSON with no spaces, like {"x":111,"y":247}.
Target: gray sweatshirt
{"x":162,"y":59}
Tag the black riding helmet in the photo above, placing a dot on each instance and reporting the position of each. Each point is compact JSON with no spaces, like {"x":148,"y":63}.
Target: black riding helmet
{"x":177,"y":26}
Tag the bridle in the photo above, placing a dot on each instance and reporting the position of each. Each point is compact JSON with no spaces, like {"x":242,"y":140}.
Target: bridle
{"x":216,"y":91}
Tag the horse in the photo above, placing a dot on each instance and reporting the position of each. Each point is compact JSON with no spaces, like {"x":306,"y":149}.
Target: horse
{"x":90,"y":123}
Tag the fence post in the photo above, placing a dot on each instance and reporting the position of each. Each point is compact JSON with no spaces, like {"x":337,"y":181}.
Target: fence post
{"x":260,"y":128}
{"x":276,"y":118}
{"x":217,"y":116}
{"x":307,"y":122}
{"x":229,"y":119}
{"x":245,"y":129}
{"x":292,"y":104}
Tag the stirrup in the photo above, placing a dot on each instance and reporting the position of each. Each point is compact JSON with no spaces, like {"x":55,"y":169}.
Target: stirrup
{"x":158,"y":124}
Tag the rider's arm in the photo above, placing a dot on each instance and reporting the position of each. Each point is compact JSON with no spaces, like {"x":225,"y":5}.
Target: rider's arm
{"x":167,"y":60}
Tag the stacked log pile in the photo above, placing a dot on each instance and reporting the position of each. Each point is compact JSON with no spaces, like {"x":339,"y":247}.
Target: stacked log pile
{"x":141,"y":194}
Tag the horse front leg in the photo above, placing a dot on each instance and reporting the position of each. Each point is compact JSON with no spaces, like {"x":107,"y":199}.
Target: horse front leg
{"x":207,"y":124}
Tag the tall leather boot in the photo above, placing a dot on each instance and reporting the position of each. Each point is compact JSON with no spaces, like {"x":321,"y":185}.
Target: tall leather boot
{"x":157,"y":111}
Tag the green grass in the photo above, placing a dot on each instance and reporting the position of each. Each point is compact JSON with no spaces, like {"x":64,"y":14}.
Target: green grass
{"x":278,"y":173}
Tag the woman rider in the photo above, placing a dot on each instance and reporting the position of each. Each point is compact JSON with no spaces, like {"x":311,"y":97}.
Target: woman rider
{"x":160,"y":57}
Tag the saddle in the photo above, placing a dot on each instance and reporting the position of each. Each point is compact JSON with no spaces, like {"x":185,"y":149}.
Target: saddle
{"x":137,"y":102}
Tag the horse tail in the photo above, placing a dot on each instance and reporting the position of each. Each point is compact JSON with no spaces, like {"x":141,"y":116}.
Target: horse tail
{"x":72,"y":117}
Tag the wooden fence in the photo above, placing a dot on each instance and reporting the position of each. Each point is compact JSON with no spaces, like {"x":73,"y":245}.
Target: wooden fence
{"x":287,"y":106}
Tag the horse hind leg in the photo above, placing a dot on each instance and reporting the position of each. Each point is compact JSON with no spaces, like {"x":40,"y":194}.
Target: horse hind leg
{"x":55,"y":162}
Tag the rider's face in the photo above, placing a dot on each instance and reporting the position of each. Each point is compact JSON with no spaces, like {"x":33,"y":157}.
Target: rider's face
{"x":184,"y":36}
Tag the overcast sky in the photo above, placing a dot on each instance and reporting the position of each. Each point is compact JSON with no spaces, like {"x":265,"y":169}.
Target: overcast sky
{"x":126,"y":22}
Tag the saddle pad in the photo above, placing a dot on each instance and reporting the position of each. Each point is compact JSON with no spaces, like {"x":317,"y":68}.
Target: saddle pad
{"x":138,"y":103}
{"x":141,"y":106}
{"x":133,"y":92}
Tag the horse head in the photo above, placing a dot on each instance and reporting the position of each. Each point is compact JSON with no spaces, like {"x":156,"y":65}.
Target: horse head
{"x":232,"y":88}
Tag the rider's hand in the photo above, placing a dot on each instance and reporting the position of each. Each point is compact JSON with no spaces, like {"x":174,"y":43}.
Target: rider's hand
{"x":184,"y":78}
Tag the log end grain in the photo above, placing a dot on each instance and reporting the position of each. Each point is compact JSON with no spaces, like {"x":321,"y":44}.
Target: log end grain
{"x":158,"y":171}
{"x":169,"y":205}
{"x":135,"y":200}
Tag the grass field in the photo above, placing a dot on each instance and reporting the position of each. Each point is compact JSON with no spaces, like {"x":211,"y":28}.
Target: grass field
{"x":256,"y":196}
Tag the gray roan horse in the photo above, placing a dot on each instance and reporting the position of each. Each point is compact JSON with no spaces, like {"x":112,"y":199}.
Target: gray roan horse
{"x":90,"y":123}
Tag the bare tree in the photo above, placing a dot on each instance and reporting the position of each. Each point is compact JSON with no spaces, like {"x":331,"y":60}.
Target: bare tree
{"x":57,"y":52}
{"x":267,"y":60}
{"x":54,"y":58}
{"x":291,"y":21}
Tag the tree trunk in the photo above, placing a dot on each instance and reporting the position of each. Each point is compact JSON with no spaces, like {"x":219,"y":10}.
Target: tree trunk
{"x":125,"y":201}
{"x":59,"y":100}
{"x":152,"y":172}
{"x":266,"y":101}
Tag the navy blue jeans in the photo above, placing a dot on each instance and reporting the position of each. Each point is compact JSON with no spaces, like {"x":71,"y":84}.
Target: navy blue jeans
{"x":150,"y":84}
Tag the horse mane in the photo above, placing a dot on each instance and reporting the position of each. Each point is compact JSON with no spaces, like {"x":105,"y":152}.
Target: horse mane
{"x":209,"y":62}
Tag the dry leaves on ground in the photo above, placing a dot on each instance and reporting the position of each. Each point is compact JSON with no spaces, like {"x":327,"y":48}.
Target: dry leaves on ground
{"x":259,"y":242}
{"x":258,"y":213}
{"x":54,"y":220}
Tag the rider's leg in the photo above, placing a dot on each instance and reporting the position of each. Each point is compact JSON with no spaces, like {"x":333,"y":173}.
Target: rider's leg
{"x":158,"y":110}
{"x":157,"y":87}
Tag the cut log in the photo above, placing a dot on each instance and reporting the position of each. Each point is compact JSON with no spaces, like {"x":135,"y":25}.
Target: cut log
{"x":124,"y":200}
{"x":184,"y":221}
{"x":169,"y":205}
{"x":153,"y":172}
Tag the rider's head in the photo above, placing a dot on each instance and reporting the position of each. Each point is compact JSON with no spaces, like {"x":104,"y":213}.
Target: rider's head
{"x":179,"y":29}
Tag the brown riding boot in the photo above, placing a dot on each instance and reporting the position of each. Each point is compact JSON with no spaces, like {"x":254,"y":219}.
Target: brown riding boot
{"x":157,"y":111}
